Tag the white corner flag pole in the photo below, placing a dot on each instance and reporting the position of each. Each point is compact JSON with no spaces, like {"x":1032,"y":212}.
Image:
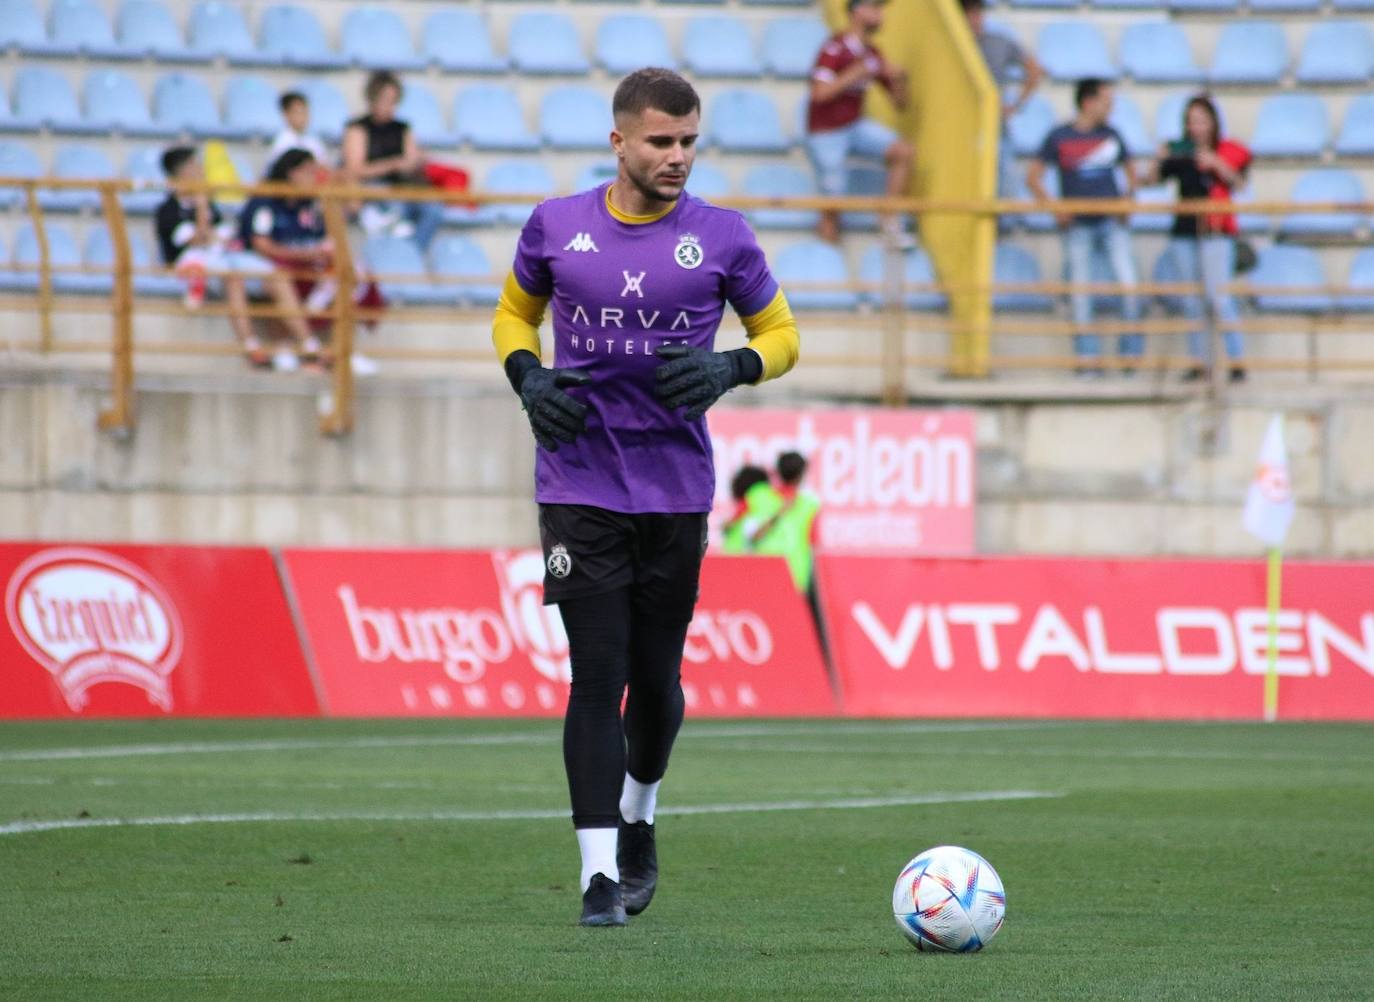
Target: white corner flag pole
{"x":1268,"y":513}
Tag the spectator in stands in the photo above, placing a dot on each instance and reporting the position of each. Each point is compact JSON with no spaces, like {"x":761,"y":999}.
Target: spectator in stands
{"x":379,"y":148}
{"x":1087,"y":153}
{"x":791,"y":531}
{"x":1203,"y":247}
{"x":836,"y":127}
{"x":193,"y":239}
{"x":1003,"y":55}
{"x":295,"y":133}
{"x":755,"y":501}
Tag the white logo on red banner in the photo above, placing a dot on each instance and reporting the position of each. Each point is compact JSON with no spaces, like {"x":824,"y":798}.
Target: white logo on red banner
{"x":89,"y":618}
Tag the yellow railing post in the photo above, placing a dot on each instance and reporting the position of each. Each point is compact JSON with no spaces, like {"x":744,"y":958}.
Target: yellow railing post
{"x":119,"y":416}
{"x":339,"y":420}
{"x":40,"y":233}
{"x":894,"y":327}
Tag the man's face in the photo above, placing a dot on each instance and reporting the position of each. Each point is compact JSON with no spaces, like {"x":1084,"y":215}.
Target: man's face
{"x":1098,"y":108}
{"x":303,"y":174}
{"x":868,"y":17}
{"x":656,"y":151}
{"x":975,"y":19}
{"x":384,"y":104}
{"x":191,"y":170}
{"x":297,"y":115}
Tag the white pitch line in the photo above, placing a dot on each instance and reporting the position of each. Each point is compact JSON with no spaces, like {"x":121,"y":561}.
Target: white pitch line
{"x":850,"y":803}
{"x":748,"y":730}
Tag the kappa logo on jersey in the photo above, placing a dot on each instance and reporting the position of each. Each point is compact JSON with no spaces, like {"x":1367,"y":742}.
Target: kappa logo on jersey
{"x":688,"y":254}
{"x":560,"y":561}
{"x":582,"y":243}
{"x":633,"y":284}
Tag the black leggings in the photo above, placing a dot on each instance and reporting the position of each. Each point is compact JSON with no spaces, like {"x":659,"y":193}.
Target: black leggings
{"x":611,"y":645}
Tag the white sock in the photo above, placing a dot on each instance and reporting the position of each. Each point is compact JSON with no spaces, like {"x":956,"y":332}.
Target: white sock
{"x":637,"y":800}
{"x":598,"y":853}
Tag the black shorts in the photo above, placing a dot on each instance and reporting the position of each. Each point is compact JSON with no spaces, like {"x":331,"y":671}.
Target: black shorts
{"x":591,"y":551}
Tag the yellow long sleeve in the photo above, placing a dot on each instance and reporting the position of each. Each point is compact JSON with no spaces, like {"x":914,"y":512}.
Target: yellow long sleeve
{"x":774,"y":335}
{"x":515,"y":325}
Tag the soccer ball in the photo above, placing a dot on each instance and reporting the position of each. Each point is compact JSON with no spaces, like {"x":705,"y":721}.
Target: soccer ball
{"x":949,"y":898}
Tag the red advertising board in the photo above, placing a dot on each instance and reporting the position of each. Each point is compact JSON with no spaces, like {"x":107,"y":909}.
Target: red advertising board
{"x":1096,"y":638}
{"x":890,"y":481}
{"x":134,"y":631}
{"x":465,"y":633}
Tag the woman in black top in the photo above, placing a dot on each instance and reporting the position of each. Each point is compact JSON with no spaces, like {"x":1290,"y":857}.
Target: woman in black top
{"x":1202,"y":248}
{"x":379,"y":148}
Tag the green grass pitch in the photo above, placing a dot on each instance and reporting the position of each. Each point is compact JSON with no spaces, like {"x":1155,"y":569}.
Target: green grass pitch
{"x":416,"y":860}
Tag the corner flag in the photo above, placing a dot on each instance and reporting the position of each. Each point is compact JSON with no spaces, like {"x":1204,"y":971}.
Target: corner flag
{"x":1269,"y":511}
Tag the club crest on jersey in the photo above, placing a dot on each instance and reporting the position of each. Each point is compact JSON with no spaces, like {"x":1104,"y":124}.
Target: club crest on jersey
{"x":688,"y":253}
{"x":560,"y":561}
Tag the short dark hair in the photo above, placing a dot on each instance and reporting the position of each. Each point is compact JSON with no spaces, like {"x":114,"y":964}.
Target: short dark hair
{"x":378,"y":82}
{"x":791,"y":468}
{"x":657,"y":88}
{"x":973,"y":5}
{"x":176,"y":157}
{"x":1087,"y":89}
{"x":291,"y":97}
{"x":283,"y":166}
{"x":747,"y":477}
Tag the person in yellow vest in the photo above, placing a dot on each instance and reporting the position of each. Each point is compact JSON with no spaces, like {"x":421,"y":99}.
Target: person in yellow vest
{"x":790,"y":529}
{"x":755,"y":503}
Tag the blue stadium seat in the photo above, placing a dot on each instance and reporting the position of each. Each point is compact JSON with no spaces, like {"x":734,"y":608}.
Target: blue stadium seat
{"x":575,"y":118}
{"x":863,"y":180}
{"x":328,"y":108}
{"x":1344,"y":5}
{"x":917,"y":270}
{"x":44,"y":99}
{"x":458,"y":257}
{"x":375,"y":38}
{"x":790,"y":45}
{"x":114,"y":103}
{"x":218,"y":29}
{"x":1356,"y":138}
{"x":1324,"y":185}
{"x":99,"y":253}
{"x":422,"y":110}
{"x":1158,"y":52}
{"x":526,"y":176}
{"x":1072,"y":50}
{"x":250,"y":107}
{"x":7,"y":123}
{"x":707,"y":181}
{"x":79,"y":27}
{"x":146,"y":29}
{"x":625,"y":42}
{"x":1016,"y":264}
{"x":595,"y":174}
{"x":1249,"y":52}
{"x":1360,"y":283}
{"x":183,"y":102}
{"x":1285,"y":6}
{"x":1291,"y":125}
{"x":73,"y":162}
{"x":1204,"y":5}
{"x":1154,"y":222}
{"x":1337,"y":52}
{"x":1044,"y":4}
{"x":459,"y":40}
{"x":546,"y":43}
{"x":781,"y":181}
{"x":1128,"y":120}
{"x":716,"y":46}
{"x":810,"y":262}
{"x":745,"y":121}
{"x":398,"y":259}
{"x":144,"y":168}
{"x":21,"y":26}
{"x":1029,"y":126}
{"x":490,"y":118}
{"x":767,"y":3}
{"x":1283,"y":265}
{"x":16,"y":160}
{"x":695,"y":2}
{"x":62,"y":254}
{"x":6,"y":275}
{"x":292,"y":35}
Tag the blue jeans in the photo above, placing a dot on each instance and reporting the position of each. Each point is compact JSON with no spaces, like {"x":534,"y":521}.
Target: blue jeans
{"x":866,"y":138}
{"x":425,"y":217}
{"x":1211,"y":261}
{"x":1009,"y":182}
{"x":1106,"y":240}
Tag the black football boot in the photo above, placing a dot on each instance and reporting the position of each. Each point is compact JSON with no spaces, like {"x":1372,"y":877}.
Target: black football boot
{"x":603,"y":903}
{"x":638,"y":861}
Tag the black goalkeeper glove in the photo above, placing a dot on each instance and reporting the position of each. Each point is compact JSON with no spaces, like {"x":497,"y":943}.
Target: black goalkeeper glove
{"x":696,"y":378}
{"x":554,"y":415}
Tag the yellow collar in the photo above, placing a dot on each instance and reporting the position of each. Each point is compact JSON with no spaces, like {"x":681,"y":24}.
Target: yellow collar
{"x":625,"y":217}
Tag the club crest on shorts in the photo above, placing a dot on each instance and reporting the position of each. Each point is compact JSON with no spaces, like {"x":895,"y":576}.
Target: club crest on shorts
{"x":688,"y":253}
{"x":560,"y":561}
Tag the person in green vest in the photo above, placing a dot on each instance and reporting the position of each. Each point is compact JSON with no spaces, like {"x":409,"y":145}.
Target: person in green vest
{"x":791,"y":527}
{"x":756,"y":502}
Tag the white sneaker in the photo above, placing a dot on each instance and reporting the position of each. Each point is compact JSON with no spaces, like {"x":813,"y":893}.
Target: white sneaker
{"x":403,"y":229}
{"x":375,"y":219}
{"x":285,"y":360}
{"x":362,"y":365}
{"x":321,"y":296}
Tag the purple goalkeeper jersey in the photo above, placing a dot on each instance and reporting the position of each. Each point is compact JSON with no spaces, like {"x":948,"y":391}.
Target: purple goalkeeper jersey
{"x":618,"y":291}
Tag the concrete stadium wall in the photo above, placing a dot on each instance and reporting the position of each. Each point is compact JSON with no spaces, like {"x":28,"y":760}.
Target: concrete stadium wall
{"x":445,"y":462}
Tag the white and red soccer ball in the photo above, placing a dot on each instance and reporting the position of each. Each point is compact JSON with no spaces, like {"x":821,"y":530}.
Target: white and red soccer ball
{"x":949,"y":898}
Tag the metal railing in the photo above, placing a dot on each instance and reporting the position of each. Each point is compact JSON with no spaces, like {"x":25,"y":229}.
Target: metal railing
{"x":886,"y":297}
